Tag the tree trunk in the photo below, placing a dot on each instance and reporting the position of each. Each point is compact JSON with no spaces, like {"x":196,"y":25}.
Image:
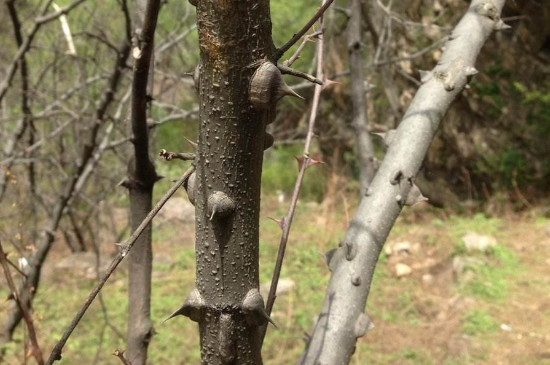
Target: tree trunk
{"x":352,"y":265}
{"x":234,"y":39}
{"x":140,"y":181}
{"x":365,"y":152}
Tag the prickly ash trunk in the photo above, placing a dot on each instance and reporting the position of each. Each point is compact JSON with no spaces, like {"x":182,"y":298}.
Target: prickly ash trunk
{"x":234,"y":38}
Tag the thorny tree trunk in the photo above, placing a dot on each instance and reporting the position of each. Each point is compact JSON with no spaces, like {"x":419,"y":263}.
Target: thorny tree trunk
{"x":140,"y":181}
{"x":342,"y":319}
{"x":365,"y":150}
{"x":234,"y":38}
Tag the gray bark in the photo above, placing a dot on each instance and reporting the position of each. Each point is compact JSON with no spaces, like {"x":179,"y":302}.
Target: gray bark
{"x":342,"y":319}
{"x":234,"y":39}
{"x":140,"y":182}
{"x":365,"y":152}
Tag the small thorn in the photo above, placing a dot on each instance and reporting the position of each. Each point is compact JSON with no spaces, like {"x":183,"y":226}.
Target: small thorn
{"x":425,"y":76}
{"x":500,"y":25}
{"x":286,"y":90}
{"x":191,"y":142}
{"x":328,"y":83}
{"x":415,"y":196}
{"x":329,"y":256}
{"x":388,"y":137}
{"x":280,"y":222}
{"x":363,"y":324}
{"x":471,"y":71}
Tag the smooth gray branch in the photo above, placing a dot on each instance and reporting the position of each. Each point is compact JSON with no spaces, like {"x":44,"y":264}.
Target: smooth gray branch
{"x":352,"y":264}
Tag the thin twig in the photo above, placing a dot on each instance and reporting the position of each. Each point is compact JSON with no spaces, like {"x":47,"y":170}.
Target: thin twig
{"x":296,"y":54}
{"x":281,"y":51}
{"x":24,"y":48}
{"x":120,"y":354}
{"x":16,"y":268}
{"x":126,"y":247}
{"x":185,"y":156}
{"x":304,"y":163}
{"x":290,"y":71}
{"x":35,"y":348}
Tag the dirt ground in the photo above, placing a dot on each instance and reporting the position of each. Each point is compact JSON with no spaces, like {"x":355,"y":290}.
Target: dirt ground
{"x":452,"y":306}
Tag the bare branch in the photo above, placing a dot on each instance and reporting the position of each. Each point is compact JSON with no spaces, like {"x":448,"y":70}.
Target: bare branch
{"x":290,"y":71}
{"x":306,"y":161}
{"x":25,"y":46}
{"x":120,"y":354}
{"x":352,"y":264}
{"x":185,"y":156}
{"x":36,"y":352}
{"x":281,"y":51}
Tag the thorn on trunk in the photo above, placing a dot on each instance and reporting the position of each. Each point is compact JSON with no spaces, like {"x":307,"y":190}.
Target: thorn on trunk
{"x":388,"y":137}
{"x":254,"y":310}
{"x":192,"y":308}
{"x":363,"y":324}
{"x":220,"y":205}
{"x":415,"y":196}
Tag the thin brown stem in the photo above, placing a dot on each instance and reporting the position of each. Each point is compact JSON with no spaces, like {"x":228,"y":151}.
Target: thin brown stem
{"x":185,"y":156}
{"x":304,"y":163}
{"x":281,"y":51}
{"x":35,"y":348}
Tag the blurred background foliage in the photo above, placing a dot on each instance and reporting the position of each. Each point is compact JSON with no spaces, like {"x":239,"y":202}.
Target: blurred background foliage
{"x":494,"y":138}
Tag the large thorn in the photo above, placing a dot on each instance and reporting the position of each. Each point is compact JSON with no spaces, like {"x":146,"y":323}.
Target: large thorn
{"x":192,"y":307}
{"x":254,"y":310}
{"x":220,"y":205}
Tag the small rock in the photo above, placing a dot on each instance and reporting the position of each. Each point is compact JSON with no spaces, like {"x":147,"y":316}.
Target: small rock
{"x":402,"y":270}
{"x":460,"y":264}
{"x":427,"y":279}
{"x":477,"y":242}
{"x":284,"y":286}
{"x":403,"y":248}
{"x":505,"y":327}
{"x":179,"y":209}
